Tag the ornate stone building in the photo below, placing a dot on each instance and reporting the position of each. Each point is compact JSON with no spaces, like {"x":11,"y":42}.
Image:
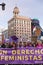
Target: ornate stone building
{"x":19,"y":26}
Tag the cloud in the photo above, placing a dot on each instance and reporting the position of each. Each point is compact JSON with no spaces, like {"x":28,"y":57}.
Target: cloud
{"x":2,"y":28}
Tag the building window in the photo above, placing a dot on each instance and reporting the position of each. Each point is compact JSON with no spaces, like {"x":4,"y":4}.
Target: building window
{"x":20,"y":36}
{"x":17,"y":30}
{"x":11,"y":27}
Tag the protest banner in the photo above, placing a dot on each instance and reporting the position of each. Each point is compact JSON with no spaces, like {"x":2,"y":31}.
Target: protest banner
{"x":29,"y":55}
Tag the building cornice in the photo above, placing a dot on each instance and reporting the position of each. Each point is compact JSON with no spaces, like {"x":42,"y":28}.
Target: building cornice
{"x":20,"y":18}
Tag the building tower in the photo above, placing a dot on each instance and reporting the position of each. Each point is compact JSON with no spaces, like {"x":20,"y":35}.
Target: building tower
{"x":16,"y":11}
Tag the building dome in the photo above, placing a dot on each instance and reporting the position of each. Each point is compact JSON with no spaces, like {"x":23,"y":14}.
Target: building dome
{"x":16,"y":10}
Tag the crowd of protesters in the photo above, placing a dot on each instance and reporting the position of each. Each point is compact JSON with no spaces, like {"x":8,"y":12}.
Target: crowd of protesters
{"x":12,"y":44}
{"x":21,"y":44}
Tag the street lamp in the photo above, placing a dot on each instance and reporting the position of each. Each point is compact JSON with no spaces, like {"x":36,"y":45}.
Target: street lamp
{"x":3,"y":6}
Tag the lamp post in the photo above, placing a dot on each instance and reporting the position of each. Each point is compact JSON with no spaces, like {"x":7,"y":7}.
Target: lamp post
{"x":3,"y":6}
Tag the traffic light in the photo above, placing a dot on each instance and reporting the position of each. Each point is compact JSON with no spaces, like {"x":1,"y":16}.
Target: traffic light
{"x":3,"y":6}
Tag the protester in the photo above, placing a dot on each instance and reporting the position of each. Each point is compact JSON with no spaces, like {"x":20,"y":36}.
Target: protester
{"x":39,"y":44}
{"x":3,"y":45}
{"x":30,"y":44}
{"x":10,"y":45}
{"x":20,"y":44}
{"x":34,"y":45}
{"x":27,"y":44}
{"x":24,"y":44}
{"x":0,"y":45}
{"x":14,"y":45}
{"x":7,"y":44}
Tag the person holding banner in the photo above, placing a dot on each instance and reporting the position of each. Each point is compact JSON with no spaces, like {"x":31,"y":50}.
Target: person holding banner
{"x":3,"y":46}
{"x":39,"y":44}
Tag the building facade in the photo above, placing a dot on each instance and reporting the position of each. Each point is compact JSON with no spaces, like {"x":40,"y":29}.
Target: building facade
{"x":1,"y":38}
{"x":5,"y":33}
{"x":19,"y":26}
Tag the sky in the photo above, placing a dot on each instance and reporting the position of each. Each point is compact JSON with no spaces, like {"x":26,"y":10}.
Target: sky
{"x":29,"y":8}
